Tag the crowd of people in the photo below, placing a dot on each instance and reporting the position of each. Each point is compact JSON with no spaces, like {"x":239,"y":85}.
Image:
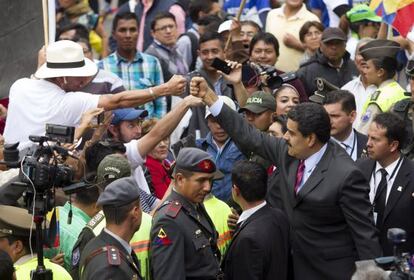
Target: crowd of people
{"x":277,"y":145}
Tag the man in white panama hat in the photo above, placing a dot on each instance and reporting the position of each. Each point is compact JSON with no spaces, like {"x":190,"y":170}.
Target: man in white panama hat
{"x":54,"y":96}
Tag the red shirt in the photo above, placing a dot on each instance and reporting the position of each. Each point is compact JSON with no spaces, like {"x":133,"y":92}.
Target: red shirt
{"x":159,"y":175}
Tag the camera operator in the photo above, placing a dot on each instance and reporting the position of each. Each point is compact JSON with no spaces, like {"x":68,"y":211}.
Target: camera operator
{"x":54,"y":98}
{"x":391,"y":177}
{"x":15,"y":224}
{"x":264,"y":50}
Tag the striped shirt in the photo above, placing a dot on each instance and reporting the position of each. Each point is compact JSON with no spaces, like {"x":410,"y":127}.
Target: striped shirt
{"x":144,"y":71}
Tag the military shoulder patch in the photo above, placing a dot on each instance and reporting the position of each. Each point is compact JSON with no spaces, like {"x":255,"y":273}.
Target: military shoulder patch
{"x":75,"y":257}
{"x":162,"y":238}
{"x":173,"y":209}
{"x":365,"y":118}
{"x":113,"y":255}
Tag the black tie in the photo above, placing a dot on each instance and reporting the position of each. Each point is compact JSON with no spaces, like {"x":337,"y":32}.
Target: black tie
{"x":380,"y":197}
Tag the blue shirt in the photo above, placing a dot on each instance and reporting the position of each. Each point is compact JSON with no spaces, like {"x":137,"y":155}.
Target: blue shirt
{"x":225,"y":158}
{"x":144,"y":71}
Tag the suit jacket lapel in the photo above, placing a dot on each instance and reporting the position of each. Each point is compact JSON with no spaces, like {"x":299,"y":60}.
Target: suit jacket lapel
{"x":361,"y":143}
{"x":242,"y":226}
{"x":400,"y":183}
{"x":291,"y":180}
{"x":317,"y":175}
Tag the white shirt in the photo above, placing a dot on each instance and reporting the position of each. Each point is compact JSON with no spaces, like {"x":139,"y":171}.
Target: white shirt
{"x":137,"y":161}
{"x":391,"y":169}
{"x":310,"y":165}
{"x":35,"y":103}
{"x":351,"y":144}
{"x":120,"y":240}
{"x":247,"y":213}
{"x":361,"y":94}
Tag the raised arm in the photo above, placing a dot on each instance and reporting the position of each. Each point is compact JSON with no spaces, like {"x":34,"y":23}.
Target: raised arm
{"x":166,"y":125}
{"x":247,"y":138}
{"x":133,"y":98}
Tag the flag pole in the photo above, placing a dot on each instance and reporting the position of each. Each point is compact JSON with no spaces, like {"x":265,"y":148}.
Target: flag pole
{"x":45,"y":21}
{"x":242,"y":3}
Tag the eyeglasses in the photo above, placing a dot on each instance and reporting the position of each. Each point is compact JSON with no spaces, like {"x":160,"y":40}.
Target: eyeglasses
{"x":164,"y":28}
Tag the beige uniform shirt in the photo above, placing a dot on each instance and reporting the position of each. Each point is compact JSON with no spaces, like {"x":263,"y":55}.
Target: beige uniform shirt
{"x":278,"y":24}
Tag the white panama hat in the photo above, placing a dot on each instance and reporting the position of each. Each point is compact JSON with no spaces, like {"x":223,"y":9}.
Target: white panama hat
{"x":65,"y":59}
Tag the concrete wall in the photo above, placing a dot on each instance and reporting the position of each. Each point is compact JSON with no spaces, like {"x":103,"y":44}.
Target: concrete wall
{"x":21,"y":36}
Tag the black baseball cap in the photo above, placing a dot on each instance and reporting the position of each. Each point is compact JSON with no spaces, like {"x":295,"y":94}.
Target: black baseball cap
{"x":333,"y":33}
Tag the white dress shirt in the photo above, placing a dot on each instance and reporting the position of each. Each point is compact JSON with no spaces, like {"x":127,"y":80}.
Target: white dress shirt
{"x":392,"y":170}
{"x":361,"y":94}
{"x":247,"y":213}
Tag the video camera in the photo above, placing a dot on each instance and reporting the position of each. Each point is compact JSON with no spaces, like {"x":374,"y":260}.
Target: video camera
{"x":401,"y":264}
{"x":41,"y":170}
{"x":252,"y":73}
{"x":41,"y":165}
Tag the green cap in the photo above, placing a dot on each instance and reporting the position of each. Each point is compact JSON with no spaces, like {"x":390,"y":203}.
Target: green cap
{"x":113,"y":167}
{"x":362,"y":12}
{"x":259,"y":102}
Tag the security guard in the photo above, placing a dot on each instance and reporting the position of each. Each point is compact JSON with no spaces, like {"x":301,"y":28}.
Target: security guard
{"x":113,"y":167}
{"x":15,"y":224}
{"x":381,"y":66}
{"x":405,"y":109}
{"x":109,"y":254}
{"x":183,"y":237}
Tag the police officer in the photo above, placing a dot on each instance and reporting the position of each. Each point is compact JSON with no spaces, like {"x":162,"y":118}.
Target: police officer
{"x":111,"y":168}
{"x":109,"y":254}
{"x":183,"y":237}
{"x":381,"y":66}
{"x":15,"y":224}
{"x":405,"y":109}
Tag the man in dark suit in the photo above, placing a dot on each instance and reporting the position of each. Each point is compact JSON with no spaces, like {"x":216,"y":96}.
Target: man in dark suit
{"x":323,"y":193}
{"x":341,"y":108}
{"x":109,"y":255}
{"x":259,"y":248}
{"x":391,"y":178}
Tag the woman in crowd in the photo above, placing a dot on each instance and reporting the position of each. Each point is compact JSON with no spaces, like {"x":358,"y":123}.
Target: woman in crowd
{"x":157,"y":162}
{"x":286,"y":97}
{"x":310,"y":35}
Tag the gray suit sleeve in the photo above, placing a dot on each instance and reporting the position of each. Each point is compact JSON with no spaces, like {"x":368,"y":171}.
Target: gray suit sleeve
{"x":248,"y":138}
{"x":357,"y":210}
